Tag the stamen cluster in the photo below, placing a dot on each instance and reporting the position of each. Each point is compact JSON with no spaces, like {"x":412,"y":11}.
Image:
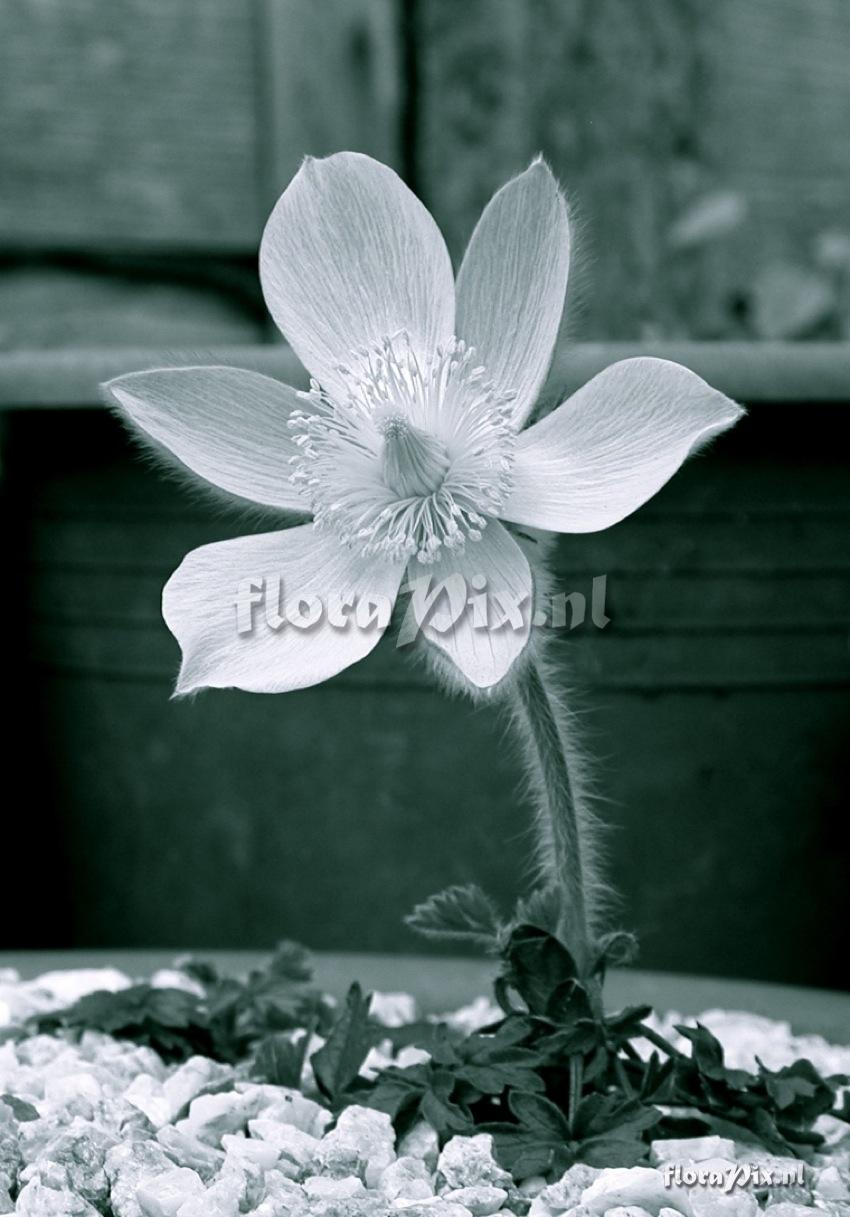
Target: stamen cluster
{"x":416,"y":457}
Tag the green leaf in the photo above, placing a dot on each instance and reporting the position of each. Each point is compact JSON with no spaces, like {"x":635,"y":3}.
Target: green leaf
{"x":536,"y":964}
{"x":569,"y":1004}
{"x":490,"y":1062}
{"x":338,"y":1062}
{"x":280,"y":1059}
{"x":459,"y":913}
{"x":798,"y":1091}
{"x":440,"y":1109}
{"x":171,"y":1021}
{"x":610,"y":1151}
{"x":539,"y":1115}
{"x":538,"y":1142}
{"x":625,"y":1025}
{"x":707,"y":1054}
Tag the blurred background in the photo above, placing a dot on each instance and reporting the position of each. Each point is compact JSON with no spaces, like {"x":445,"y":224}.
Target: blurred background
{"x":705,"y":152}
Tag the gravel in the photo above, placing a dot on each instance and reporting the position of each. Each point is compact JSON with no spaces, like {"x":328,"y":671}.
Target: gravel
{"x":103,"y":1126}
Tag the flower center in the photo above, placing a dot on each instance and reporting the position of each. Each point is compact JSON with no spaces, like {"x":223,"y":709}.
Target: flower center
{"x":414,"y":462}
{"x":414,"y":459}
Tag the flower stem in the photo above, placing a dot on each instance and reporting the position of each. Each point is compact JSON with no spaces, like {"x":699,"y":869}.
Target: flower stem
{"x":576,"y":1081}
{"x":561,"y":849}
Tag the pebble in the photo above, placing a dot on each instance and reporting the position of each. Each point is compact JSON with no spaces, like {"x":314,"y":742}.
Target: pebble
{"x":393,"y":1009}
{"x":406,"y":1179}
{"x":469,"y":1162}
{"x":481,"y":1201}
{"x":368,"y":1134}
{"x":127,"y":1167}
{"x":297,"y":1151}
{"x":714,"y":1202}
{"x":786,"y":1209}
{"x":421,"y":1141}
{"x":319,"y":1187}
{"x":634,"y":1185}
{"x":288,"y":1107}
{"x":632,"y":1210}
{"x":830,"y":1184}
{"x":691,"y":1149}
{"x":36,"y":1200}
{"x":212,"y":1115}
{"x":165,"y":1194}
{"x":189,"y":1151}
{"x":565,"y":1193}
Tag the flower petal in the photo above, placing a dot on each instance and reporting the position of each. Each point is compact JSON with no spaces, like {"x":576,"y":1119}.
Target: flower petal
{"x":219,"y":601}
{"x":511,"y":285}
{"x":496,"y":568}
{"x":225,"y":424}
{"x":349,"y":257}
{"x":613,"y":445}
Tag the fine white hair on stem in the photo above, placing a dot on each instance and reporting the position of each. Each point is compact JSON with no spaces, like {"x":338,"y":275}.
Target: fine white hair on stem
{"x":552,"y":801}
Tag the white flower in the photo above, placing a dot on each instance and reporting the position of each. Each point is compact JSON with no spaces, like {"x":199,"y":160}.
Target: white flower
{"x":409,"y":448}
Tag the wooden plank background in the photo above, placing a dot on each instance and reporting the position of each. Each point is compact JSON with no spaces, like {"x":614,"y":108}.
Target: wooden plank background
{"x":134,"y":128}
{"x":141,"y":144}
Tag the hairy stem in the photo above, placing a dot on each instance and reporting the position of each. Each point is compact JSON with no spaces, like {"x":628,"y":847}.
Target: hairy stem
{"x":562,"y":852}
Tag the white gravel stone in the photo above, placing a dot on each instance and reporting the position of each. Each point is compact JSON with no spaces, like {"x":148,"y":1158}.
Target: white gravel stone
{"x":629,"y":1210}
{"x":691,"y":1149}
{"x":786,"y":1209}
{"x":406,"y":1179}
{"x":437,"y":1207}
{"x":532,"y":1186}
{"x":189,"y":1151}
{"x":67,"y":986}
{"x":36,"y":1200}
{"x":830,"y":1184}
{"x":165,"y":1194}
{"x":173,"y":978}
{"x":714,"y":1202}
{"x":369,"y":1134}
{"x":74,"y":1158}
{"x":393,"y":1009}
{"x":297,"y":1150}
{"x":79,"y":1091}
{"x":212,"y":1115}
{"x":482,"y":1201}
{"x":287,"y":1107}
{"x":634,"y":1185}
{"x":421,"y":1141}
{"x":250,"y":1149}
{"x":319,"y":1187}
{"x":146,"y":1093}
{"x":127,"y":1166}
{"x":469,"y":1162}
{"x":834,"y":1131}
{"x":565,"y":1193}
{"x":187,"y":1082}
{"x":479,"y":1013}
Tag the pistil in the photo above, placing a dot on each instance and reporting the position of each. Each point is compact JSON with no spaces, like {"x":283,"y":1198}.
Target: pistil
{"x":413,"y":462}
